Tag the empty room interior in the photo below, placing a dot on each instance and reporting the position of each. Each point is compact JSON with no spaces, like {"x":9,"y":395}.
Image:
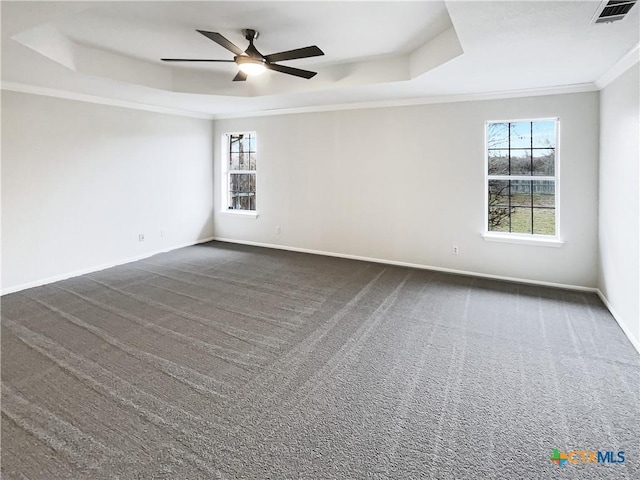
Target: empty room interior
{"x":320,"y":240}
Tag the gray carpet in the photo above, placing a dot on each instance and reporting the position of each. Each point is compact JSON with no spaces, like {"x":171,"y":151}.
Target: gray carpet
{"x":223,"y":361}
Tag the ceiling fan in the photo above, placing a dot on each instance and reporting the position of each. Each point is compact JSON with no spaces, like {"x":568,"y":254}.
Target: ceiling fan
{"x":251,"y":61}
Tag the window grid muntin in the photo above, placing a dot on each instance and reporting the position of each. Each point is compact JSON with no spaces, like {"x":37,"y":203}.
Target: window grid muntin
{"x":528,"y":178}
{"x":236,"y":143}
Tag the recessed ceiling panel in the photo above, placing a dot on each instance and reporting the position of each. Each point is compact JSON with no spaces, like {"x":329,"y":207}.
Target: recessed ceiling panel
{"x":346,"y":31}
{"x":374,"y":51}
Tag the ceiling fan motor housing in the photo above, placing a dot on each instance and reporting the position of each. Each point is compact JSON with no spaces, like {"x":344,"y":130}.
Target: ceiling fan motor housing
{"x":250,"y":34}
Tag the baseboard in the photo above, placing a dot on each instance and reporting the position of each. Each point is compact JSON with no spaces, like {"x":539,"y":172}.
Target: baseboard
{"x":410,"y":265}
{"x":618,"y":319}
{"x":77,"y":273}
{"x":97,"y":268}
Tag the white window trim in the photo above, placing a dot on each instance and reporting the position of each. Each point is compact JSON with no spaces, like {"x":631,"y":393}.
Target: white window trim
{"x":240,"y":213}
{"x":224,"y":177}
{"x":523,"y":239}
{"x":520,"y":238}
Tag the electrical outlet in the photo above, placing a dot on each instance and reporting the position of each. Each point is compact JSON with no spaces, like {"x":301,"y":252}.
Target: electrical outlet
{"x":278,"y":230}
{"x":141,"y":237}
{"x":455,"y":250}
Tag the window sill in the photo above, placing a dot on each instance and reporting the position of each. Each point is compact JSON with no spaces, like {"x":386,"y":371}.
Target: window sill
{"x":240,"y":213}
{"x":537,"y":240}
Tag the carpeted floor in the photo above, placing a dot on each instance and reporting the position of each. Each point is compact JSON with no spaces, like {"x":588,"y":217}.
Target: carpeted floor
{"x":226,"y":361}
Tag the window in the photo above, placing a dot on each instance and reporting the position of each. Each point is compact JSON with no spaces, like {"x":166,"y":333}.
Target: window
{"x":239,"y":175}
{"x":522,"y":182}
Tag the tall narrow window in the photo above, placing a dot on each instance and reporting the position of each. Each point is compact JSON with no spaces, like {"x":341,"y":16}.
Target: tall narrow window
{"x":522,"y":183}
{"x":240,"y":161}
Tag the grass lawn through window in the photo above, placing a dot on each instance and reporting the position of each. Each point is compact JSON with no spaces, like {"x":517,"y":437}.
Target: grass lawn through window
{"x":544,"y":219}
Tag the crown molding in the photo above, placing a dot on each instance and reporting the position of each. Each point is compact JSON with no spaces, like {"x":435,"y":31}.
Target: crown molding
{"x":406,"y":102}
{"x":625,"y":63}
{"x":82,"y":97}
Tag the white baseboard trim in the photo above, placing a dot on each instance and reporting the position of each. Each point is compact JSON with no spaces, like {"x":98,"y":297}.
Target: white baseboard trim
{"x":77,"y":273}
{"x":618,"y":319}
{"x":97,"y":268}
{"x":410,"y":265}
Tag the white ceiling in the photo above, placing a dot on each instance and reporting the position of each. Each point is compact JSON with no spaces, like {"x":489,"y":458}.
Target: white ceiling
{"x":374,"y":51}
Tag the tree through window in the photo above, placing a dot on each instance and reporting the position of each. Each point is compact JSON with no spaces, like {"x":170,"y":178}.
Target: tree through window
{"x":241,"y":171}
{"x":522,"y":177}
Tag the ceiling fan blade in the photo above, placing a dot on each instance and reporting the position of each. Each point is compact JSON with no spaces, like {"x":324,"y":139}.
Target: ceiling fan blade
{"x":240,"y":77}
{"x":291,"y":71}
{"x":222,"y":41}
{"x":305,"y":52}
{"x":193,"y":60}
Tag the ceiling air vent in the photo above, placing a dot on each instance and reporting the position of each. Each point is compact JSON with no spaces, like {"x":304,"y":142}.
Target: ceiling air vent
{"x":613,"y":10}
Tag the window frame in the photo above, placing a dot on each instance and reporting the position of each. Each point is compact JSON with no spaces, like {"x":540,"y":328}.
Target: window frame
{"x":226,"y":173}
{"x":514,"y":237}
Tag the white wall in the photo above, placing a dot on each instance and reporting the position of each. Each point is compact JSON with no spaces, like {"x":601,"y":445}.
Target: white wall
{"x":80,"y":181}
{"x":406,"y":183}
{"x":619,"y":220}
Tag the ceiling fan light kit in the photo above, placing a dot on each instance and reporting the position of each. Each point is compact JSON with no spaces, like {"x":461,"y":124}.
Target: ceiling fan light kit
{"x":251,"y":62}
{"x":251,"y":66}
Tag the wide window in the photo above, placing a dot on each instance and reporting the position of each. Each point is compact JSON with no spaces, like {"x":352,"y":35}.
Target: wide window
{"x":522,"y":182}
{"x":240,"y":172}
